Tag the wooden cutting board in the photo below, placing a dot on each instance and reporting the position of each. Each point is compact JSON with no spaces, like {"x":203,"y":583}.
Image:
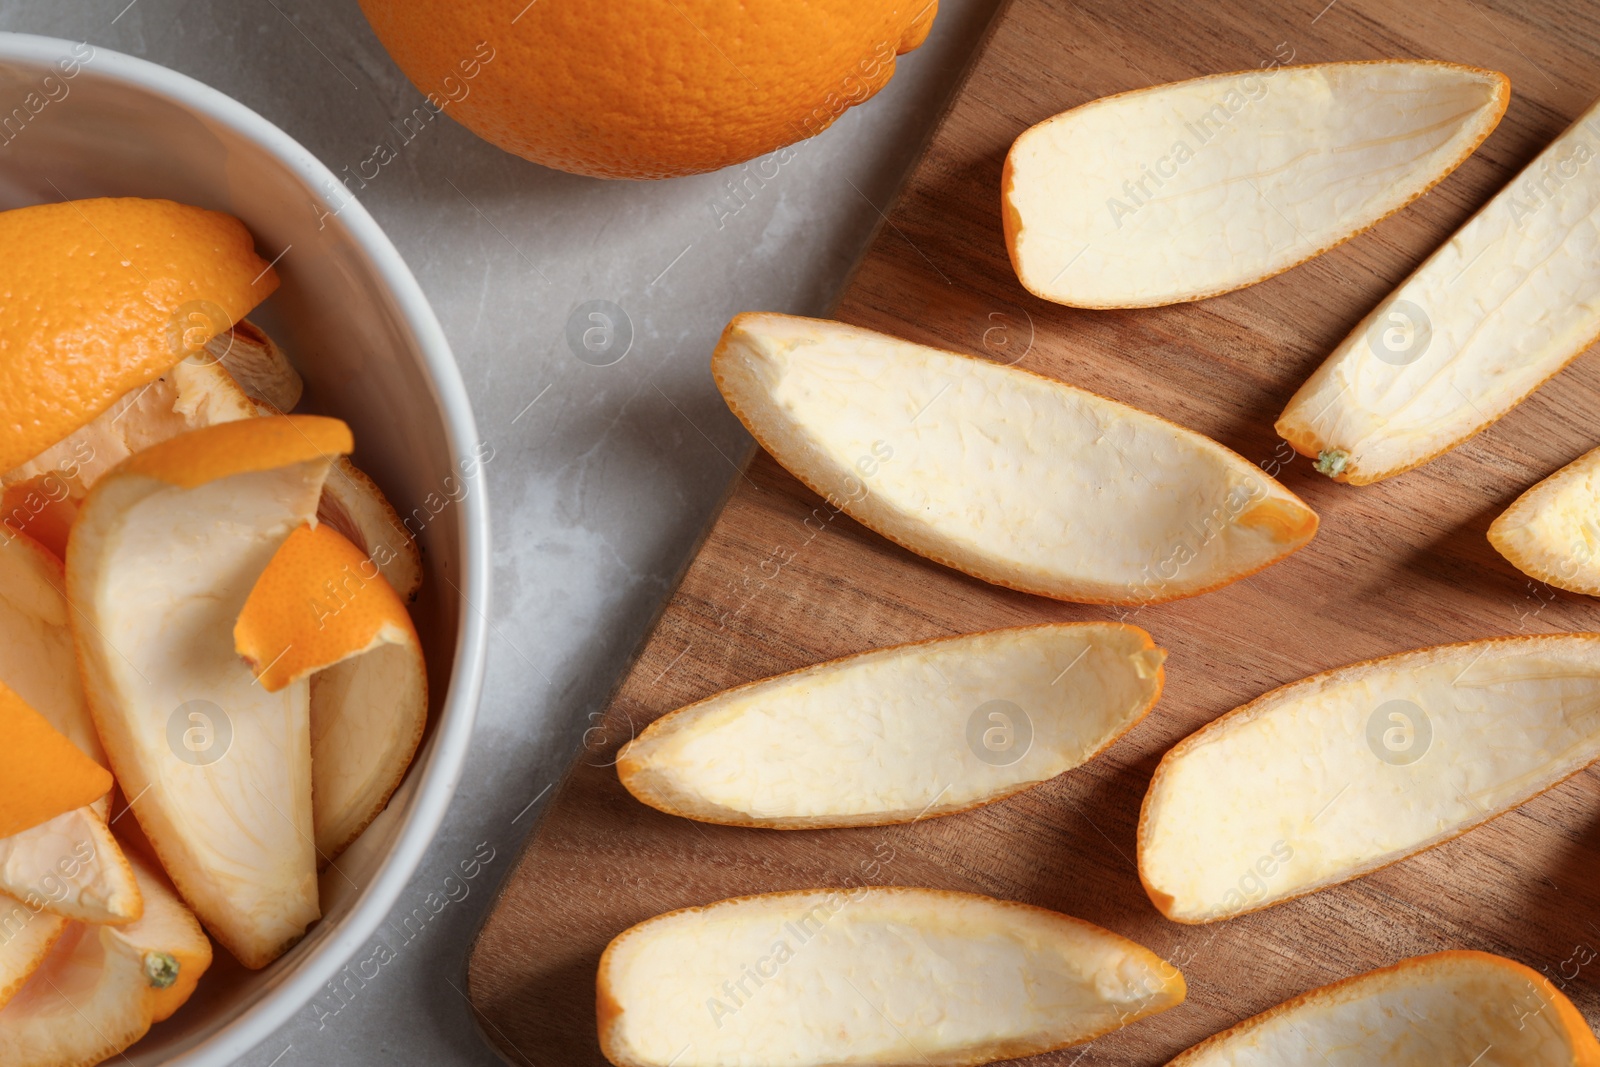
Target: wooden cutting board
{"x":781,"y":581}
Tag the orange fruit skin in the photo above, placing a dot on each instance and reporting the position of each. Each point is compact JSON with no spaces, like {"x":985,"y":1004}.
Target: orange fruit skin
{"x":319,"y":602}
{"x":98,"y":297}
{"x":627,"y":89}
{"x":228,"y":448}
{"x":42,"y":773}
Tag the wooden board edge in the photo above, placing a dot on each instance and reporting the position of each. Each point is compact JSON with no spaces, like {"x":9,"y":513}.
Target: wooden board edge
{"x":915,"y":157}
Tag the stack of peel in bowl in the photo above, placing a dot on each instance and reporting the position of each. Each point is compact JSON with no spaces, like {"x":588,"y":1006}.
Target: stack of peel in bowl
{"x":210,"y":682}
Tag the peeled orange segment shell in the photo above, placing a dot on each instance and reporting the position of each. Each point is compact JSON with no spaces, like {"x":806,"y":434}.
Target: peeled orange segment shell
{"x":322,"y":606}
{"x":1551,"y":532}
{"x":101,"y":987}
{"x":42,"y":774}
{"x":900,"y":733}
{"x":868,"y":976}
{"x":1334,"y":776}
{"x":716,"y":84}
{"x":217,"y":769}
{"x":68,"y":865}
{"x":1009,"y":476}
{"x":28,"y":932}
{"x":1507,"y":302}
{"x":1449,"y":1007}
{"x":1185,"y":191}
{"x":102,"y":296}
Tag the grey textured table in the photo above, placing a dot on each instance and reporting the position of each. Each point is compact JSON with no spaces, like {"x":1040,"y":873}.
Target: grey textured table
{"x":603,"y":476}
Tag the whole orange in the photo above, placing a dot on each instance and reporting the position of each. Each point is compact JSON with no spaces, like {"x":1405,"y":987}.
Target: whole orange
{"x":647,"y":88}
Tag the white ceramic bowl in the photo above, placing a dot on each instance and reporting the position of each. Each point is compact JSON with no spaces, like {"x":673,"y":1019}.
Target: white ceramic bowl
{"x":98,"y":123}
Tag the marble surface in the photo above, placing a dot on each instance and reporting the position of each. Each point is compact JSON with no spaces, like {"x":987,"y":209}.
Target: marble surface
{"x":604,"y":474}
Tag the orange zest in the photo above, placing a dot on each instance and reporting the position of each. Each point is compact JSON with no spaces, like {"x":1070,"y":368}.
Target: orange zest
{"x":101,"y":297}
{"x":42,"y":774}
{"x":319,"y":602}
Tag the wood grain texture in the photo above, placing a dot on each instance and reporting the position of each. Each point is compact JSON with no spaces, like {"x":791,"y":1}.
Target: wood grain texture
{"x":782,"y":581}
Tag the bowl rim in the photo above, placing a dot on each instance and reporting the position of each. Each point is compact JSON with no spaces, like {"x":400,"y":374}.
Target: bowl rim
{"x":442,"y":768}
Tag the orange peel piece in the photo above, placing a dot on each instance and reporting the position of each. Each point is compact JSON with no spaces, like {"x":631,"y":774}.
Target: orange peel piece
{"x":191,"y":460}
{"x":102,"y":296}
{"x":69,"y":865}
{"x":255,"y":361}
{"x":1127,"y":201}
{"x":161,"y":561}
{"x":241,"y":374}
{"x":973,"y":978}
{"x":100,"y":988}
{"x":320,"y":602}
{"x":899,"y":734}
{"x":323,"y":609}
{"x":1448,"y":1007}
{"x":30,"y":932}
{"x":1549,"y":532}
{"x":1343,"y":773}
{"x":354,"y":505}
{"x":42,"y":496}
{"x":42,"y":773}
{"x":1018,"y":479}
